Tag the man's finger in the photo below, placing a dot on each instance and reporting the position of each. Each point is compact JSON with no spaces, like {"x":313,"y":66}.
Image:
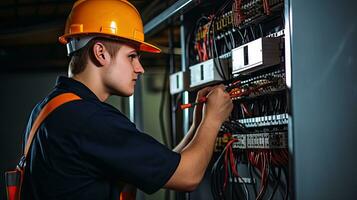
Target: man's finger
{"x":204,"y":91}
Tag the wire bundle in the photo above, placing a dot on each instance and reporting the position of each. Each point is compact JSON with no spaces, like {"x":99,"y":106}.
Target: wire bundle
{"x":267,"y":165}
{"x":264,"y":166}
{"x":263,"y":161}
{"x":238,"y":15}
{"x":266,"y":7}
{"x":226,"y":185}
{"x":201,"y":43}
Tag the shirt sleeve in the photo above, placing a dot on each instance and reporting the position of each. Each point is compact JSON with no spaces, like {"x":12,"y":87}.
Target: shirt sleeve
{"x":113,"y":146}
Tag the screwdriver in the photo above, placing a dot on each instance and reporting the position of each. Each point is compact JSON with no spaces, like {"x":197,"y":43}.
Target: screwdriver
{"x":189,"y":105}
{"x":204,"y":99}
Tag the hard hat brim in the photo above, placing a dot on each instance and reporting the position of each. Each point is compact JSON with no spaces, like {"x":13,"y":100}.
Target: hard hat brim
{"x":146,"y":47}
{"x":143,"y":46}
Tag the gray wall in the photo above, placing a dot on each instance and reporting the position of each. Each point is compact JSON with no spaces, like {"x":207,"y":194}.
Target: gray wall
{"x":19,"y":93}
{"x":324,"y":97}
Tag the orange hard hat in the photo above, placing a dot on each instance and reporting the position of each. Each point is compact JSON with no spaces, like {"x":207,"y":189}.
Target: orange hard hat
{"x":116,"y":19}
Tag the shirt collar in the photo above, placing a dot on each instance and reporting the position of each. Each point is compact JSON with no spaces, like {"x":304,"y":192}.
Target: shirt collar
{"x":72,"y":85}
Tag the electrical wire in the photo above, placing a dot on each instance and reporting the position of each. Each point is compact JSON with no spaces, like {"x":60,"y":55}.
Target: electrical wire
{"x":275,"y":188}
{"x":261,"y":30}
{"x":198,"y":22}
{"x":242,"y":37}
{"x":211,"y":41}
{"x":226,"y":41}
{"x":252,"y":178}
{"x":216,"y":179}
{"x":218,"y":64}
{"x":232,"y":39}
{"x":251,"y":30}
{"x":287,"y":183}
{"x":214,"y":48}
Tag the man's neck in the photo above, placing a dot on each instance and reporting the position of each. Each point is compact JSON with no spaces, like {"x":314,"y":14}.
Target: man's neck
{"x":93,"y":82}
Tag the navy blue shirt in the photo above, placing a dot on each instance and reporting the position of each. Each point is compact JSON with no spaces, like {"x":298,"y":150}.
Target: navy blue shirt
{"x":87,"y":149}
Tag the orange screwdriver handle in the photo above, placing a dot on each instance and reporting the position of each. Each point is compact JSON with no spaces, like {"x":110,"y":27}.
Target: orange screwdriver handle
{"x":189,"y":105}
{"x":184,"y":106}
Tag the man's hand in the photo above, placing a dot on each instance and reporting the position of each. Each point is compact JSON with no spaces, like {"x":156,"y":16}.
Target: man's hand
{"x":197,"y":118}
{"x":196,"y":155}
{"x":219,"y":105}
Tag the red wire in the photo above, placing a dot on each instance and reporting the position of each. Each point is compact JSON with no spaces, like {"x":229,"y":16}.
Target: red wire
{"x":266,"y":7}
{"x":229,"y":152}
{"x":204,"y":50}
{"x":225,"y":170}
{"x":233,"y":164}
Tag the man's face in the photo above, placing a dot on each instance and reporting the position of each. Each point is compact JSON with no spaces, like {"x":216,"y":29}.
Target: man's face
{"x":123,"y":71}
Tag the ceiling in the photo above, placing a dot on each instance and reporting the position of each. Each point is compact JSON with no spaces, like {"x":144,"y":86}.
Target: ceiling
{"x":29,"y":30}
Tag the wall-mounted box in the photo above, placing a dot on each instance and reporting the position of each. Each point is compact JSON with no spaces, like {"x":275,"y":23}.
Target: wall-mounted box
{"x":205,"y":73}
{"x":260,"y":53}
{"x":179,"y":82}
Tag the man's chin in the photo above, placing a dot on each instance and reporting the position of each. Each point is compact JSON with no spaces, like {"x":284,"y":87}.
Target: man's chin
{"x":123,"y":94}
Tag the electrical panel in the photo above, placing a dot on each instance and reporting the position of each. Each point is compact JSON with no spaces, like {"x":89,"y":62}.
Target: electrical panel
{"x":240,"y":43}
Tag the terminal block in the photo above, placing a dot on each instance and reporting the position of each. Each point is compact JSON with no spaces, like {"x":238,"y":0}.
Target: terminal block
{"x":271,"y":120}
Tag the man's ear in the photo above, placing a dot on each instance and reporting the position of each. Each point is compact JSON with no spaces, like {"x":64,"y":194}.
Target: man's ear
{"x":100,"y":54}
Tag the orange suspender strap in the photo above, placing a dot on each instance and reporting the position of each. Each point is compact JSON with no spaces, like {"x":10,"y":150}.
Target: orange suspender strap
{"x":14,"y":178}
{"x":127,"y":196}
{"x":49,"y":107}
{"x":128,"y":192}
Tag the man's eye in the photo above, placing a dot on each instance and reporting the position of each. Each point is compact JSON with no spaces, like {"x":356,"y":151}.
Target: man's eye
{"x":134,"y":56}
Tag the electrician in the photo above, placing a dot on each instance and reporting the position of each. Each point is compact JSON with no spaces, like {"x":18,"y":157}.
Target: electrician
{"x":88,"y":149}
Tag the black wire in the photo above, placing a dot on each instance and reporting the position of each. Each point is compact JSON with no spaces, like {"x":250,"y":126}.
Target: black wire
{"x":245,"y":187}
{"x":230,"y":180}
{"x":246,"y":191}
{"x":287,"y":183}
{"x":228,"y":45}
{"x":212,"y":52}
{"x":216,"y":179}
{"x":277,"y":183}
{"x":252,"y":32}
{"x":252,"y":178}
{"x":266,"y":185}
{"x":219,"y":64}
{"x":218,"y":67}
{"x":221,"y":176}
{"x":238,"y":178}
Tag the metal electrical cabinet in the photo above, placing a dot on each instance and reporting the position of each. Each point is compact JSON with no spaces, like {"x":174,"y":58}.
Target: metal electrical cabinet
{"x":290,"y":68}
{"x":323,"y":89}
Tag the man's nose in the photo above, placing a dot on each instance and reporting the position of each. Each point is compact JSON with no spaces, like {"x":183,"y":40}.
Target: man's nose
{"x":138,"y":68}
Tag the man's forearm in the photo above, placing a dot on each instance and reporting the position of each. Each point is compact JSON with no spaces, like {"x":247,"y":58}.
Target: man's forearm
{"x":195,"y":157}
{"x":199,"y":151}
{"x":186,"y":139}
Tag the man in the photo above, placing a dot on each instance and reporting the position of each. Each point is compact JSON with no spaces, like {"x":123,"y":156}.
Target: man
{"x":87,"y":149}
